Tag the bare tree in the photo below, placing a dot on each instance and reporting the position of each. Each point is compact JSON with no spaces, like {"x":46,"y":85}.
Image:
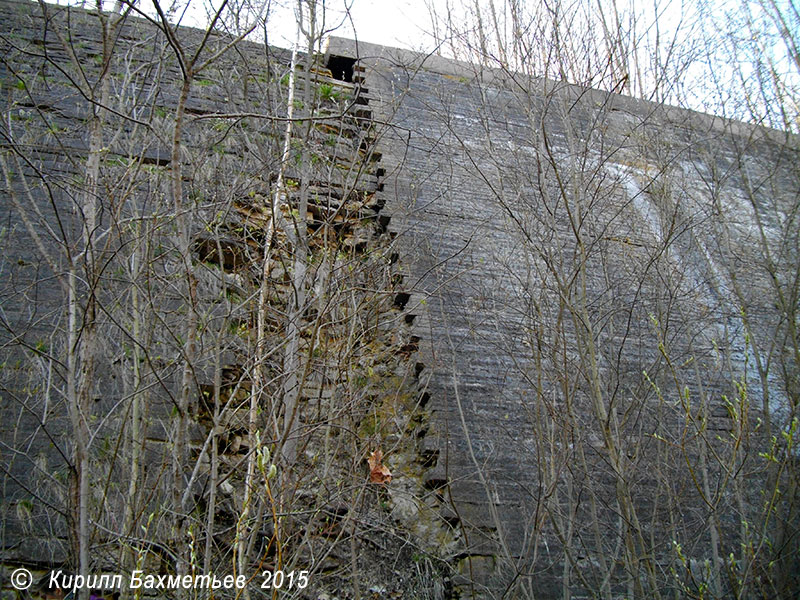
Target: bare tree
{"x":237,"y":349}
{"x":639,"y":405}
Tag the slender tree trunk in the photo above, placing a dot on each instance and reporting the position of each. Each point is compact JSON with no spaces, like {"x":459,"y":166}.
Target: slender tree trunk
{"x":258,"y":387}
{"x":184,"y":218}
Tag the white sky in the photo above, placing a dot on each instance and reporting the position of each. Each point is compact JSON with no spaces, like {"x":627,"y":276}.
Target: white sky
{"x":400,"y":23}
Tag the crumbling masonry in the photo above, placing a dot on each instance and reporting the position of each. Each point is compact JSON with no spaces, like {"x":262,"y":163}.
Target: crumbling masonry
{"x":568,"y":320}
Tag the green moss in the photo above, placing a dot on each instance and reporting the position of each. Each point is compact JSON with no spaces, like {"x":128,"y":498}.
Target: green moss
{"x":370,"y":425}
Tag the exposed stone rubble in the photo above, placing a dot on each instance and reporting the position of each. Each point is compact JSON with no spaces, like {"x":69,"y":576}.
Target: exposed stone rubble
{"x":538,"y":308}
{"x":363,"y":387}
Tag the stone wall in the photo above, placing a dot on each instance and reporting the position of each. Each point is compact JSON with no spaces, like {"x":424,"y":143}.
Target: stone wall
{"x":597,"y":281}
{"x":567,"y":319}
{"x":312,"y":374}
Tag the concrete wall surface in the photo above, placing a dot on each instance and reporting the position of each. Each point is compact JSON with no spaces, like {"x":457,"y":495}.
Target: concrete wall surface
{"x":598,"y":282}
{"x":414,"y":327}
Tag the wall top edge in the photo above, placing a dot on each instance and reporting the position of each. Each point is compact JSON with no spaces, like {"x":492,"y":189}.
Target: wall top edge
{"x":382,"y":57}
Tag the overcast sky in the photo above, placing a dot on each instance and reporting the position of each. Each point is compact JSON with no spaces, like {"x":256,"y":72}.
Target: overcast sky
{"x":401,"y":23}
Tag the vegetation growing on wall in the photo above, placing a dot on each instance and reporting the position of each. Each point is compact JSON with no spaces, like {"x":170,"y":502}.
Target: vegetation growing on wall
{"x":640,"y":298}
{"x":202,"y":344}
{"x":211,"y":358}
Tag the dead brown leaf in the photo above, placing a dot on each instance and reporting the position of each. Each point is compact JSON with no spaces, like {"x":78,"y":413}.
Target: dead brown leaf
{"x":378,"y":473}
